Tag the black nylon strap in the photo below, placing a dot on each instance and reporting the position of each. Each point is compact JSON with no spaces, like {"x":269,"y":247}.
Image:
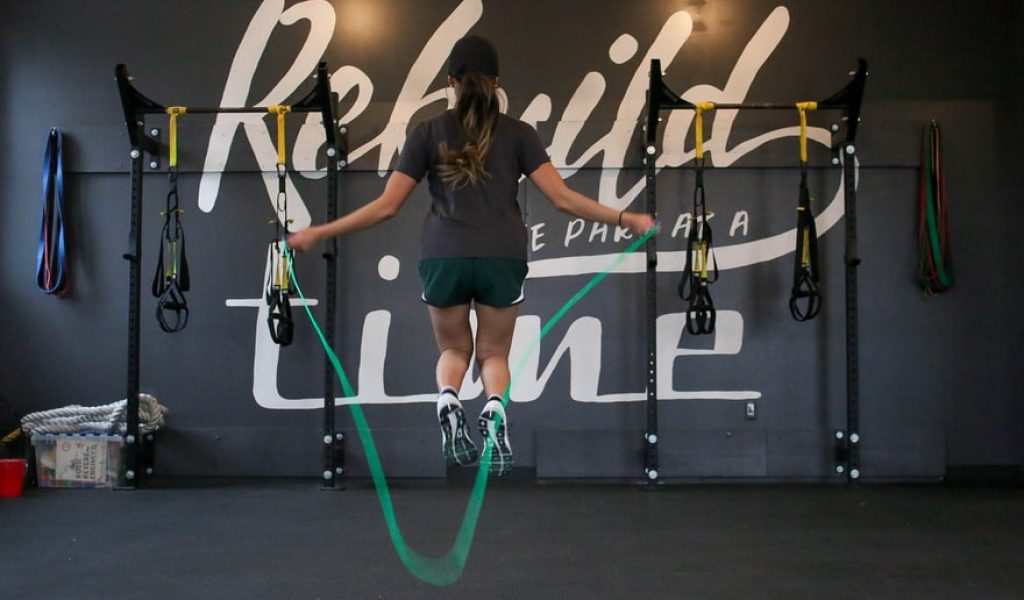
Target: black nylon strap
{"x":805,"y":295}
{"x":172,"y":302}
{"x":171,"y":280}
{"x":694,"y":283}
{"x":279,"y":319}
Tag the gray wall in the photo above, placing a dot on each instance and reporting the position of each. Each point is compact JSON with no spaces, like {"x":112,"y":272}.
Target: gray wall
{"x":940,"y":377}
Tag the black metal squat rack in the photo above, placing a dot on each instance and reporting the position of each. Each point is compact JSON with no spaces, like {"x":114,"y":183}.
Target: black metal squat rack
{"x":139,"y":453}
{"x":848,"y":101}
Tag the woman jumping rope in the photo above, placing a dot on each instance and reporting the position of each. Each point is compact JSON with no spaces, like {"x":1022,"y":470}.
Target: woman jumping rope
{"x":473,"y":243}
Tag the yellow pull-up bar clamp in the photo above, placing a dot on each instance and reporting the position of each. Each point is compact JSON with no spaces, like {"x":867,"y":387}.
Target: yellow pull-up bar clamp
{"x":172,"y":142}
{"x":701,"y":108}
{"x":802,"y":108}
{"x":280,"y":110}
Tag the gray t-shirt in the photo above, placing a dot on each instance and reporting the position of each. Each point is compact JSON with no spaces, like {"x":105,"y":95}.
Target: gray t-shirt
{"x":480,"y":220}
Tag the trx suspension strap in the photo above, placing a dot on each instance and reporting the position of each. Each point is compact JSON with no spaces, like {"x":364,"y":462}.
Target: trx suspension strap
{"x":935,"y":255}
{"x":171,"y":279}
{"x":805,"y":297}
{"x":51,"y":260}
{"x":279,"y":318}
{"x":693,"y":286}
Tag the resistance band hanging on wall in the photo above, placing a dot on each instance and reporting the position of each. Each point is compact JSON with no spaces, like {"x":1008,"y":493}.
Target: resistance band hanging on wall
{"x":935,"y":255}
{"x":278,"y":285}
{"x":693,"y":286}
{"x":51,"y":256}
{"x":805,"y":297}
{"x":171,"y":280}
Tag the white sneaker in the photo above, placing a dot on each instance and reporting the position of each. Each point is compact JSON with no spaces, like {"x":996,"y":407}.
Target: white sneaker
{"x":493,"y":426}
{"x":456,"y":445}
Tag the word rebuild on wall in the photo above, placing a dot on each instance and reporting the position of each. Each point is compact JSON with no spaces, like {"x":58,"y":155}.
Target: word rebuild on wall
{"x":557,"y":249}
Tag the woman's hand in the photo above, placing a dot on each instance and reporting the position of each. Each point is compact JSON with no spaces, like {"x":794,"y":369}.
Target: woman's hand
{"x":639,"y":223}
{"x":383,"y":207}
{"x":305,"y":239}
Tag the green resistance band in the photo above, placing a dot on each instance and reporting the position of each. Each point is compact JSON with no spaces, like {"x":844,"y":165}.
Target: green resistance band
{"x":933,"y":200}
{"x":447,"y":569}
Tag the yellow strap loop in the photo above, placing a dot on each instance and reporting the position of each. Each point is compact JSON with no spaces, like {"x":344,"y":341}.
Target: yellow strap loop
{"x":280,"y":110}
{"x":802,"y":108}
{"x":281,"y":267}
{"x":172,"y":142}
{"x":285,"y":265}
{"x":701,"y":108}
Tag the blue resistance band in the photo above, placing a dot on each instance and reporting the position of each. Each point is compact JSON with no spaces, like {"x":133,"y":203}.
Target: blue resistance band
{"x":51,"y":258}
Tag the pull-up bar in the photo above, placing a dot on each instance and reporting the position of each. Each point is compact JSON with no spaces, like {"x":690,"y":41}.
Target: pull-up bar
{"x":136,"y":106}
{"x":200,"y":110}
{"x":848,"y":100}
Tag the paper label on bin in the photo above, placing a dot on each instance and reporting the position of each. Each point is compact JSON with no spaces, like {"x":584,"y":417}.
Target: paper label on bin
{"x":82,"y":460}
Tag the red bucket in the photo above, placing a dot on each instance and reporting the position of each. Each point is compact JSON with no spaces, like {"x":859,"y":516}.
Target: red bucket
{"x":12,"y":477}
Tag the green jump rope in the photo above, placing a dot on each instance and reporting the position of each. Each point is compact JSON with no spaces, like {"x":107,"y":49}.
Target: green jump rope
{"x":447,"y":569}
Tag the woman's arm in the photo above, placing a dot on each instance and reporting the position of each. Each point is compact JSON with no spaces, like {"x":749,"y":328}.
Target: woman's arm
{"x":569,"y":201}
{"x":383,"y":207}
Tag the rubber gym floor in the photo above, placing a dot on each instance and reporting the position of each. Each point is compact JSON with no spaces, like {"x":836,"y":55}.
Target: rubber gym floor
{"x":288,"y":539}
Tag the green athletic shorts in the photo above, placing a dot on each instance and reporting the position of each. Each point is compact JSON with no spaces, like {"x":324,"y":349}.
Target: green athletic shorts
{"x":496,"y":282}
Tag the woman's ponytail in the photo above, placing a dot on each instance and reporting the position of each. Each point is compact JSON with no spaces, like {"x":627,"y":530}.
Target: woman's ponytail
{"x":477,"y":113}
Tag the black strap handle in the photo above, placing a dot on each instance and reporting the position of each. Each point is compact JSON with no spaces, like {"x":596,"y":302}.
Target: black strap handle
{"x":805,"y":295}
{"x":171,"y":280}
{"x":694,"y":283}
{"x":278,"y":297}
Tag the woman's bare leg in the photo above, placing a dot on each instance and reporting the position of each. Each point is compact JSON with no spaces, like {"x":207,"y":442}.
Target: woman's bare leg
{"x":455,"y":343}
{"x":493,"y":342}
{"x":495,"y":327}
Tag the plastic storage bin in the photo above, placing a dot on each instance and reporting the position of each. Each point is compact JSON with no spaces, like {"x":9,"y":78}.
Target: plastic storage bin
{"x":78,"y":460}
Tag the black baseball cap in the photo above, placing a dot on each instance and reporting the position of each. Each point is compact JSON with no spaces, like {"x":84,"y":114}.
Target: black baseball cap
{"x":473,"y":51}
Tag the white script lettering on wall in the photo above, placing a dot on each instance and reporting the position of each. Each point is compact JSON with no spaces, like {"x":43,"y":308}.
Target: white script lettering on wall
{"x":553,"y":246}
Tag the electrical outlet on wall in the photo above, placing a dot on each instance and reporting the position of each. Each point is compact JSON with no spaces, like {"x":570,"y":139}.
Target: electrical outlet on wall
{"x":751,"y":411}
